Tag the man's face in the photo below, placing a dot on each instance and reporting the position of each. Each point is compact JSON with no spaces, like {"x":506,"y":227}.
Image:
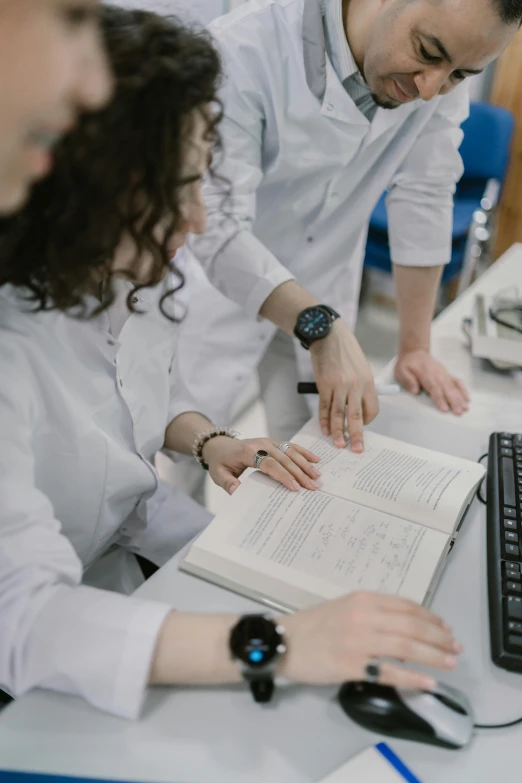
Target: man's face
{"x":423,"y":48}
{"x":52,"y":66}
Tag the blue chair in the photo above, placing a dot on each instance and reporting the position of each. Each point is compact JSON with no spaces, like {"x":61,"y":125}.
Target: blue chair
{"x":485,"y":153}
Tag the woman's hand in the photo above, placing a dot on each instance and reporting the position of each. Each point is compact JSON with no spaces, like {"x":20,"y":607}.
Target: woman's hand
{"x":228,"y":459}
{"x":335,"y":641}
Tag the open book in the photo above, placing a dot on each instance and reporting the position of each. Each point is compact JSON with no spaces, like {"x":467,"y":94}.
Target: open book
{"x":383,"y":520}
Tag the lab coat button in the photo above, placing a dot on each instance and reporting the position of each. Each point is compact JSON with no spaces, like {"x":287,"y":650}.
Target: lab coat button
{"x":135,"y":300}
{"x":329,"y":107}
{"x":111,"y":342}
{"x":309,"y":239}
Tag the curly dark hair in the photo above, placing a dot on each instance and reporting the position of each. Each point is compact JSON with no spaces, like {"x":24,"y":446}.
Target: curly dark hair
{"x":120,"y":171}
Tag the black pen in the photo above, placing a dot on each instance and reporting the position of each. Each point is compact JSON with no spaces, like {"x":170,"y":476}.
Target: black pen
{"x":382,"y":389}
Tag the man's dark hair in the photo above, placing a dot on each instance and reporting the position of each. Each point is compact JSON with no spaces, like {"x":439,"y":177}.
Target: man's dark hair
{"x":120,"y":171}
{"x":510,"y":11}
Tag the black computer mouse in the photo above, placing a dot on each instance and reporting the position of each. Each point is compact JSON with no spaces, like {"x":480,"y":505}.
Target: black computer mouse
{"x":442,"y":717}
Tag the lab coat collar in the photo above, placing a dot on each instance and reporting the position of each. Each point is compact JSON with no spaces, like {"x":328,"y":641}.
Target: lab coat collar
{"x":320,"y":74}
{"x":324,"y":83}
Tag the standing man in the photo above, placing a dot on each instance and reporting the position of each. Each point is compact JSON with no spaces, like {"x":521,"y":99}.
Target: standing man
{"x":327,"y":104}
{"x":52,"y":67}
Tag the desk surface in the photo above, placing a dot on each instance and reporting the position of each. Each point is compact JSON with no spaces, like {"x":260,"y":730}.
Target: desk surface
{"x":219,"y":735}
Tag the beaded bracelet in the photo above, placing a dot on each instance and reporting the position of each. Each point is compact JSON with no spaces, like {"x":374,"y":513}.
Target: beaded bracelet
{"x":203,"y":439}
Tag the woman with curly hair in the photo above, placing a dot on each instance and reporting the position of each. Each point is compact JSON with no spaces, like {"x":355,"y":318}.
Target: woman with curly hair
{"x":88,"y":316}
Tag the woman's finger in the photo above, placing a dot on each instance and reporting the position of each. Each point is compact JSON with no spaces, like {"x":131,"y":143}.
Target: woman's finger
{"x":292,"y":467}
{"x":422,"y":630}
{"x":309,"y":455}
{"x":272,"y":467}
{"x":225,"y":479}
{"x":395,"y":603}
{"x":399,"y":677}
{"x":294,"y":456}
{"x":407,"y":649}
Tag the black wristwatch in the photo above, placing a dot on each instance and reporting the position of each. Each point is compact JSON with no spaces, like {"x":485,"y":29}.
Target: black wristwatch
{"x":257,"y":642}
{"x":314,"y":323}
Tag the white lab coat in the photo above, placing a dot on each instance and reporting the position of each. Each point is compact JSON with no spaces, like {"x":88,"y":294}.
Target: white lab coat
{"x":306,"y":169}
{"x":82,"y":414}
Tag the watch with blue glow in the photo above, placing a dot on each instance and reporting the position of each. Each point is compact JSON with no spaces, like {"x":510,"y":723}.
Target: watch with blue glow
{"x":314,"y":323}
{"x":257,"y":643}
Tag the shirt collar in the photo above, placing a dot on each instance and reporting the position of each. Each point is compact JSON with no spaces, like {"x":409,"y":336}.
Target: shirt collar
{"x":338,"y":48}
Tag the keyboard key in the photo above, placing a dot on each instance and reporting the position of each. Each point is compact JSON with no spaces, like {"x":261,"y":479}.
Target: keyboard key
{"x":506,"y":443}
{"x":514,"y":587}
{"x":509,"y":535}
{"x":518,"y":440}
{"x":515,"y":641}
{"x":506,"y":434}
{"x":508,"y":482}
{"x":510,"y":524}
{"x":514,"y":608}
{"x":513,"y":566}
{"x":514,"y":627}
{"x":506,"y":452}
{"x":512,"y":575}
{"x":518,"y":451}
{"x":512,"y":552}
{"x":510,"y":512}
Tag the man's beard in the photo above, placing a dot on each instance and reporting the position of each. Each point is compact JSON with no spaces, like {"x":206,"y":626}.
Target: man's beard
{"x":385,"y":103}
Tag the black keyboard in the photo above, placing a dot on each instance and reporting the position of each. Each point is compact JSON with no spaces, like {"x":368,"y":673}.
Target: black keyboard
{"x":504,"y":545}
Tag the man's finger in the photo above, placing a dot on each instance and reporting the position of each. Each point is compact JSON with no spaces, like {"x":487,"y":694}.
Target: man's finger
{"x":462,"y":388}
{"x":409,"y":381}
{"x":454,"y":397}
{"x":436,"y":392}
{"x":355,"y":421}
{"x":325,"y":404}
{"x":370,"y":405}
{"x":338,"y":417}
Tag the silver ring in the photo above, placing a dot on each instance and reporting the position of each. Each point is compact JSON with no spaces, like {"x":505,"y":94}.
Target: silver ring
{"x":373,"y":671}
{"x":259,"y":457}
{"x":284,"y":447}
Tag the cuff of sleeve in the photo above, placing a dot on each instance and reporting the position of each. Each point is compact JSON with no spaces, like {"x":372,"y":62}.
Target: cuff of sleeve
{"x":421,"y":258}
{"x":95,"y":644}
{"x":264,"y":288}
{"x":130,"y":685}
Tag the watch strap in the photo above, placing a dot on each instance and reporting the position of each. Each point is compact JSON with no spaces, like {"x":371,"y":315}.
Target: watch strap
{"x":262,"y":687}
{"x":331,"y":312}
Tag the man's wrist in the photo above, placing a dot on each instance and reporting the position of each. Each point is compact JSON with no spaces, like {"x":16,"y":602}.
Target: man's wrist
{"x":412,"y":348}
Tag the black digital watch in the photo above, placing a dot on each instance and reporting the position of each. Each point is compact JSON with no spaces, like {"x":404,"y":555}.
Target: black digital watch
{"x":257,"y":642}
{"x":314,"y":323}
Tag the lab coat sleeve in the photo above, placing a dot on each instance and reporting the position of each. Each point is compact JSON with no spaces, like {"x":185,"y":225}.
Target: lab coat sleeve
{"x":235,"y":261}
{"x":56,"y":633}
{"x":420,"y":199}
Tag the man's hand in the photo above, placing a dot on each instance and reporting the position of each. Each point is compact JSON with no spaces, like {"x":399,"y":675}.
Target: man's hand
{"x":418,"y":370}
{"x":346,"y":386}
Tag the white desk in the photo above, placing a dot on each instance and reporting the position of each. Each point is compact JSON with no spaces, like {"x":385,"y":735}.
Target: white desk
{"x":220,"y":735}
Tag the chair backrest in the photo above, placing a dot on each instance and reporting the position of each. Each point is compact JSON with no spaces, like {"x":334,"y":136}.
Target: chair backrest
{"x":487,"y":139}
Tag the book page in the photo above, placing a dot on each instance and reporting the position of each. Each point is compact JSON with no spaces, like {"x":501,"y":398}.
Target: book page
{"x":317,"y":543}
{"x":417,"y":484}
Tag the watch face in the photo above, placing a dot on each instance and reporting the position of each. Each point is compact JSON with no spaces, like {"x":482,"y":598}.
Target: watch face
{"x":314,"y":323}
{"x":255,"y":640}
